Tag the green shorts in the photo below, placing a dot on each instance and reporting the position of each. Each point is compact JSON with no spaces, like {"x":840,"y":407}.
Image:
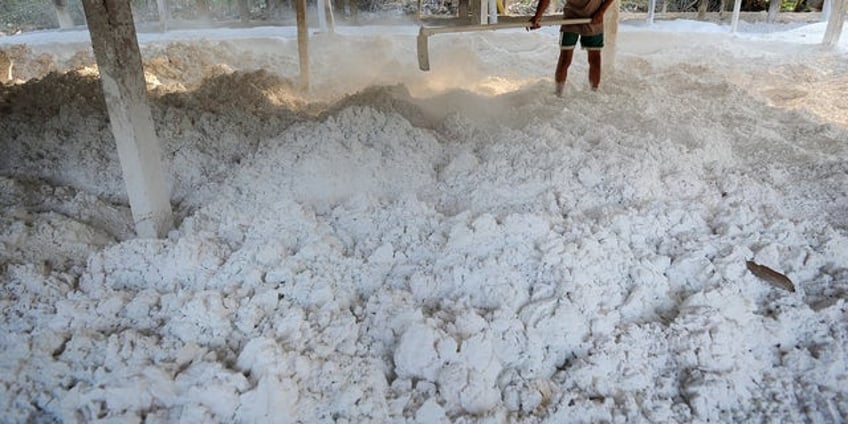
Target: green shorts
{"x":588,"y":42}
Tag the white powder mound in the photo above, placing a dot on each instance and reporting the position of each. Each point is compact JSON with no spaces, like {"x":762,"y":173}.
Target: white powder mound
{"x":464,"y":257}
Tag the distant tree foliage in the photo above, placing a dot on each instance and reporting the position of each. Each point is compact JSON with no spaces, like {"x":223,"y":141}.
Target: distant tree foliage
{"x":24,"y":15}
{"x":716,"y":5}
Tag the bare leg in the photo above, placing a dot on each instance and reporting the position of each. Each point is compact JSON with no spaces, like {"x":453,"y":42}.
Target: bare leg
{"x":565,"y":56}
{"x":594,"y":68}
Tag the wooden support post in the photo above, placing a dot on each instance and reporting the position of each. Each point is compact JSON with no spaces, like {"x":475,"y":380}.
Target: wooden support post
{"x":302,"y":43}
{"x":244,"y":11}
{"x":611,"y":17}
{"x":6,"y":67}
{"x":652,"y":7}
{"x":462,"y":9}
{"x":321,"y":11}
{"x":734,"y":20}
{"x":331,"y":19}
{"x":164,"y":14}
{"x":113,"y":39}
{"x":65,"y":20}
{"x":478,"y":11}
{"x":773,"y":10}
{"x":702,"y":9}
{"x":825,"y":11}
{"x":353,"y":5}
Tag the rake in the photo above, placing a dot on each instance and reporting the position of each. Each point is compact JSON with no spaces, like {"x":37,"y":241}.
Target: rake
{"x":425,"y":33}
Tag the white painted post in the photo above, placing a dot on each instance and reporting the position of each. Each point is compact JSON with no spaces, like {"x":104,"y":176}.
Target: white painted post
{"x":322,"y":15}
{"x":331,"y":21}
{"x":610,"y":37}
{"x":115,"y":46}
{"x":826,"y":6}
{"x":834,"y":24}
{"x":652,"y":6}
{"x":734,"y":20}
{"x":493,"y":11}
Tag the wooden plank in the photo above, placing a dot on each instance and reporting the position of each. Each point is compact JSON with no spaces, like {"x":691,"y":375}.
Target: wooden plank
{"x":302,"y":43}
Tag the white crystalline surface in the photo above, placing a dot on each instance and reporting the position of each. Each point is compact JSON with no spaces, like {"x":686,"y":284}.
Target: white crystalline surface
{"x":451,"y":246}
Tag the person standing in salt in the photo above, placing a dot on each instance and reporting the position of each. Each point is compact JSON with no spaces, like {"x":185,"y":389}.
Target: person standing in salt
{"x":591,"y":36}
